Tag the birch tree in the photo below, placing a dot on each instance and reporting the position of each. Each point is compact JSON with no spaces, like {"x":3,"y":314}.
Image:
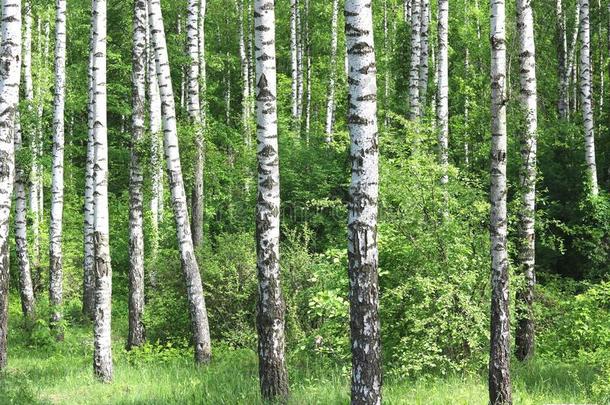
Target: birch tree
{"x":26,"y":289}
{"x":499,"y":361}
{"x":197,"y":308}
{"x":586,"y":96}
{"x":194,"y":112}
{"x":529,"y":99}
{"x":10,"y":60}
{"x":414,"y":75}
{"x":270,"y":315}
{"x":362,"y":207}
{"x":332,"y":77}
{"x":57,"y":185}
{"x":424,"y":54}
{"x":308,"y":68}
{"x":562,"y":57}
{"x":442,"y":98}
{"x":245,"y":72}
{"x":102,"y":342}
{"x":136,"y":336}
{"x":294,"y":67}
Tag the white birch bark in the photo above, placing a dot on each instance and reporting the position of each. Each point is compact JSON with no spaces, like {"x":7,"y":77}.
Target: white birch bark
{"x":424,"y":55}
{"x":270,"y":315}
{"x":500,"y":391}
{"x":10,"y":60}
{"x":102,"y":342}
{"x":363,"y":205}
{"x":307,"y":45}
{"x":136,"y":336}
{"x":26,"y":289}
{"x":442,"y":98}
{"x":562,"y":55}
{"x":57,"y":184}
{"x":586,"y":95}
{"x":300,"y":78}
{"x":407,"y":11}
{"x":572,"y":68}
{"x":194,"y":112}
{"x":529,"y":100}
{"x":414,"y":75}
{"x":245,"y":73}
{"x":332,"y":77}
{"x":294,"y":68}
{"x":198,"y":312}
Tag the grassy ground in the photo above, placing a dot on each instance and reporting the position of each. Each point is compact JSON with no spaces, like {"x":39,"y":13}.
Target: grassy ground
{"x":62,"y":374}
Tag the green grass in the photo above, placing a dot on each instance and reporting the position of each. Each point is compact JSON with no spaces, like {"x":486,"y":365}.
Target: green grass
{"x":42,"y":372}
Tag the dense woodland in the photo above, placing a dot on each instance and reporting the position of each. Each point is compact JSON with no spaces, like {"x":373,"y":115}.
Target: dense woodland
{"x":305,"y":201}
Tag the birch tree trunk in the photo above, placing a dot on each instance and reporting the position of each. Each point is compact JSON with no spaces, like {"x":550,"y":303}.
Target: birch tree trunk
{"x":586,"y":95}
{"x":156,"y":147}
{"x":442,"y":98}
{"x":194,"y":112}
{"x":424,"y":53}
{"x":26,"y":289}
{"x":362,"y":209}
{"x":571,"y":69}
{"x":245,"y":72}
{"x":562,"y":56}
{"x":270,"y":315}
{"x":10,"y":60}
{"x":136,"y":336}
{"x":414,"y":76}
{"x":500,"y":391}
{"x":102,"y":343}
{"x":294,"y":68}
{"x":524,"y":340}
{"x":57,"y":185}
{"x":198,"y":312}
{"x":332,"y":77}
{"x":300,"y":80}
{"x":307,"y":40}
{"x":89,"y":216}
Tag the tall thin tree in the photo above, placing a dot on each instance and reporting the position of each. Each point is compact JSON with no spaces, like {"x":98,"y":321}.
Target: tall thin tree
{"x":414,"y":75}
{"x":10,"y":60}
{"x":500,"y":392}
{"x":362,"y":208}
{"x":442,"y":98}
{"x":197,"y":308}
{"x":57,"y":185}
{"x":270,"y":317}
{"x":332,"y":77}
{"x":136,"y":334}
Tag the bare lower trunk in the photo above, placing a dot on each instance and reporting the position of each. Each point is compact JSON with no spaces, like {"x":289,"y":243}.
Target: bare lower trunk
{"x":102,"y":341}
{"x":500,"y":392}
{"x":414,"y":75}
{"x":366,"y":378}
{"x":198,"y":311}
{"x":137,"y":335}
{"x":57,"y":186}
{"x":10,"y":60}
{"x":525,"y":296}
{"x":270,"y":317}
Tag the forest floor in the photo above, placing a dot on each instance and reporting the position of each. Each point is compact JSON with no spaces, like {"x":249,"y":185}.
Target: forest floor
{"x":62,"y":374}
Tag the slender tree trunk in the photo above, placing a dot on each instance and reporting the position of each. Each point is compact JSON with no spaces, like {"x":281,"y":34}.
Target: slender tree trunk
{"x":562,"y":56}
{"x":332,"y":77}
{"x":198,"y":312}
{"x":300,"y":78}
{"x":424,"y":54}
{"x":137,"y":334}
{"x":307,"y":40}
{"x":571,"y":69}
{"x":362,"y":208}
{"x":26,"y":289}
{"x":89,"y":216}
{"x":442,"y":98}
{"x":586,"y":95}
{"x":10,"y":60}
{"x":414,"y":76}
{"x":270,"y":317}
{"x":529,"y":99}
{"x":407,"y":11}
{"x":194,"y":112}
{"x":102,"y":343}
{"x":467,"y":112}
{"x":294,"y":67}
{"x":245,"y":73}
{"x":500,"y":392}
{"x":57,"y":185}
